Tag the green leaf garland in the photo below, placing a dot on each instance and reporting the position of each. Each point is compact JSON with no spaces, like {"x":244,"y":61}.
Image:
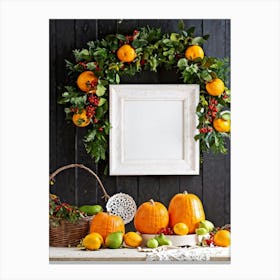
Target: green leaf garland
{"x":154,"y":50}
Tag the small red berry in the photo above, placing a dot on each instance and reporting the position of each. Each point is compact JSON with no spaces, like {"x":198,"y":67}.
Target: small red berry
{"x":100,"y":129}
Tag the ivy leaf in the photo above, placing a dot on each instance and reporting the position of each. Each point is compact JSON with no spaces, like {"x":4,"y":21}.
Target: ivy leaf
{"x":100,"y":90}
{"x":117,"y":78}
{"x":101,"y":101}
{"x":181,"y":25}
{"x":190,"y":31}
{"x":99,"y":113}
{"x":174,"y":37}
{"x":185,"y":33}
{"x":197,"y":41}
{"x":85,"y":54}
{"x":90,"y":136}
{"x":182,"y":63}
{"x":121,"y":37}
{"x":91,"y":66}
{"x":205,"y":76}
{"x":139,"y":43}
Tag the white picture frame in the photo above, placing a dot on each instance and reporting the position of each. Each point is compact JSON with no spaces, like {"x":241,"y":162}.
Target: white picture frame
{"x":153,"y":128}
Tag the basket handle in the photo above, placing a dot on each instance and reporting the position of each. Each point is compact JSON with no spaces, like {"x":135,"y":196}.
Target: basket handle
{"x":73,"y":165}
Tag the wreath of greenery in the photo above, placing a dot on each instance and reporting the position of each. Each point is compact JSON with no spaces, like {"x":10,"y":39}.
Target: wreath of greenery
{"x":153,"y":50}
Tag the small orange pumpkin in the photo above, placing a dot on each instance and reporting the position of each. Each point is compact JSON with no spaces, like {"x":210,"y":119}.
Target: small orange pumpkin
{"x":150,"y":217}
{"x":186,"y":208}
{"x":105,"y":223}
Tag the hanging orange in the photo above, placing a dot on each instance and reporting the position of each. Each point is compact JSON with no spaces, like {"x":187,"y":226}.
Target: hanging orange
{"x":221,"y":125}
{"x":194,"y":52}
{"x":81,"y":119}
{"x":126,"y":53}
{"x":86,"y":81}
{"x":216,"y":87}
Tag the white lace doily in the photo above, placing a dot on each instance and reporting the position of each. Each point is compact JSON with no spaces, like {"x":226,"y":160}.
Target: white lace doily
{"x":123,"y":205}
{"x":182,"y":254}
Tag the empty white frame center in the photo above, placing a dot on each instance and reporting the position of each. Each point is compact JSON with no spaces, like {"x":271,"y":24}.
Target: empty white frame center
{"x":153,"y":129}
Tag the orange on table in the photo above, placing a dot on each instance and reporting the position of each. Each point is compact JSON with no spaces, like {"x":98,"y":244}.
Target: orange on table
{"x":85,"y":81}
{"x":132,"y":239}
{"x":181,"y":229}
{"x":126,"y":53}
{"x":222,"y":238}
{"x":81,"y":119}
{"x":221,"y":125}
{"x":93,"y":241}
{"x":194,"y":52}
{"x":215,"y":87}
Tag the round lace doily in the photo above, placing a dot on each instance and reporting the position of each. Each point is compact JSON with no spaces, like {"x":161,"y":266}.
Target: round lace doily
{"x":123,"y":205}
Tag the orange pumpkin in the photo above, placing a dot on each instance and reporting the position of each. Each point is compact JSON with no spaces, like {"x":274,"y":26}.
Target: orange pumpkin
{"x":186,"y":208}
{"x":150,"y":217}
{"x":105,"y":223}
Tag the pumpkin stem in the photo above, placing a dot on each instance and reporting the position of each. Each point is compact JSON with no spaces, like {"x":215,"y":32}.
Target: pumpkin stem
{"x":185,"y":192}
{"x":152,"y":201}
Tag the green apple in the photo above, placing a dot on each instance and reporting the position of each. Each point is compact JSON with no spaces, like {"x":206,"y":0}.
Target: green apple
{"x":207,"y":225}
{"x":114,"y":240}
{"x":152,"y":243}
{"x":201,"y":231}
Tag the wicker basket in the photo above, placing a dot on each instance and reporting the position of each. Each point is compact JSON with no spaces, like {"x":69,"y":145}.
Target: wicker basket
{"x":65,"y":233}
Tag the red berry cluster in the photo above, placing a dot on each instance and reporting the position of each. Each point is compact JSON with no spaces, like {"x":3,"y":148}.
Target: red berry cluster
{"x":94,"y":83}
{"x":206,"y":129}
{"x":90,"y":109}
{"x":93,"y":99}
{"x":167,"y":231}
{"x":210,"y":240}
{"x":178,"y":55}
{"x":212,"y":109}
{"x":224,"y":96}
{"x":133,"y":37}
{"x":74,"y":110}
{"x":83,"y":64}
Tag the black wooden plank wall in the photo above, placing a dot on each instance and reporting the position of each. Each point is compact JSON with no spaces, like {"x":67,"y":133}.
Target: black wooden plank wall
{"x":66,"y":146}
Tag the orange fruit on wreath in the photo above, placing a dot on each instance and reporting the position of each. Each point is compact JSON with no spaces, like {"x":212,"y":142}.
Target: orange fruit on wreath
{"x":194,"y":52}
{"x":86,"y":81}
{"x":126,"y":53}
{"x":81,"y":119}
{"x":221,"y":125}
{"x":222,"y":238}
{"x":216,"y":87}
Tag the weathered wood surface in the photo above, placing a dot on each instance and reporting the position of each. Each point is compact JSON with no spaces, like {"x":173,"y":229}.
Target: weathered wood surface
{"x":66,"y":146}
{"x":59,"y":254}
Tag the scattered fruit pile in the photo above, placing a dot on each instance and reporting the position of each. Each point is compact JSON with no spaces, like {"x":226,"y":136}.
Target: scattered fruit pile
{"x":184,"y":215}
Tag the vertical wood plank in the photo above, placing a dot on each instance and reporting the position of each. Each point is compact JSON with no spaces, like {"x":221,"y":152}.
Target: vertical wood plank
{"x":169,"y":186}
{"x":87,"y":186}
{"x":192,"y":184}
{"x":63,"y":34}
{"x":214,"y":167}
{"x":52,"y":101}
{"x":149,"y":188}
{"x":216,"y":43}
{"x":228,"y":156}
{"x":128,"y":184}
{"x":105,"y":27}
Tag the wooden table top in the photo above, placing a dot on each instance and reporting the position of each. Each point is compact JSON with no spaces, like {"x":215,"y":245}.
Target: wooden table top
{"x":64,"y":254}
